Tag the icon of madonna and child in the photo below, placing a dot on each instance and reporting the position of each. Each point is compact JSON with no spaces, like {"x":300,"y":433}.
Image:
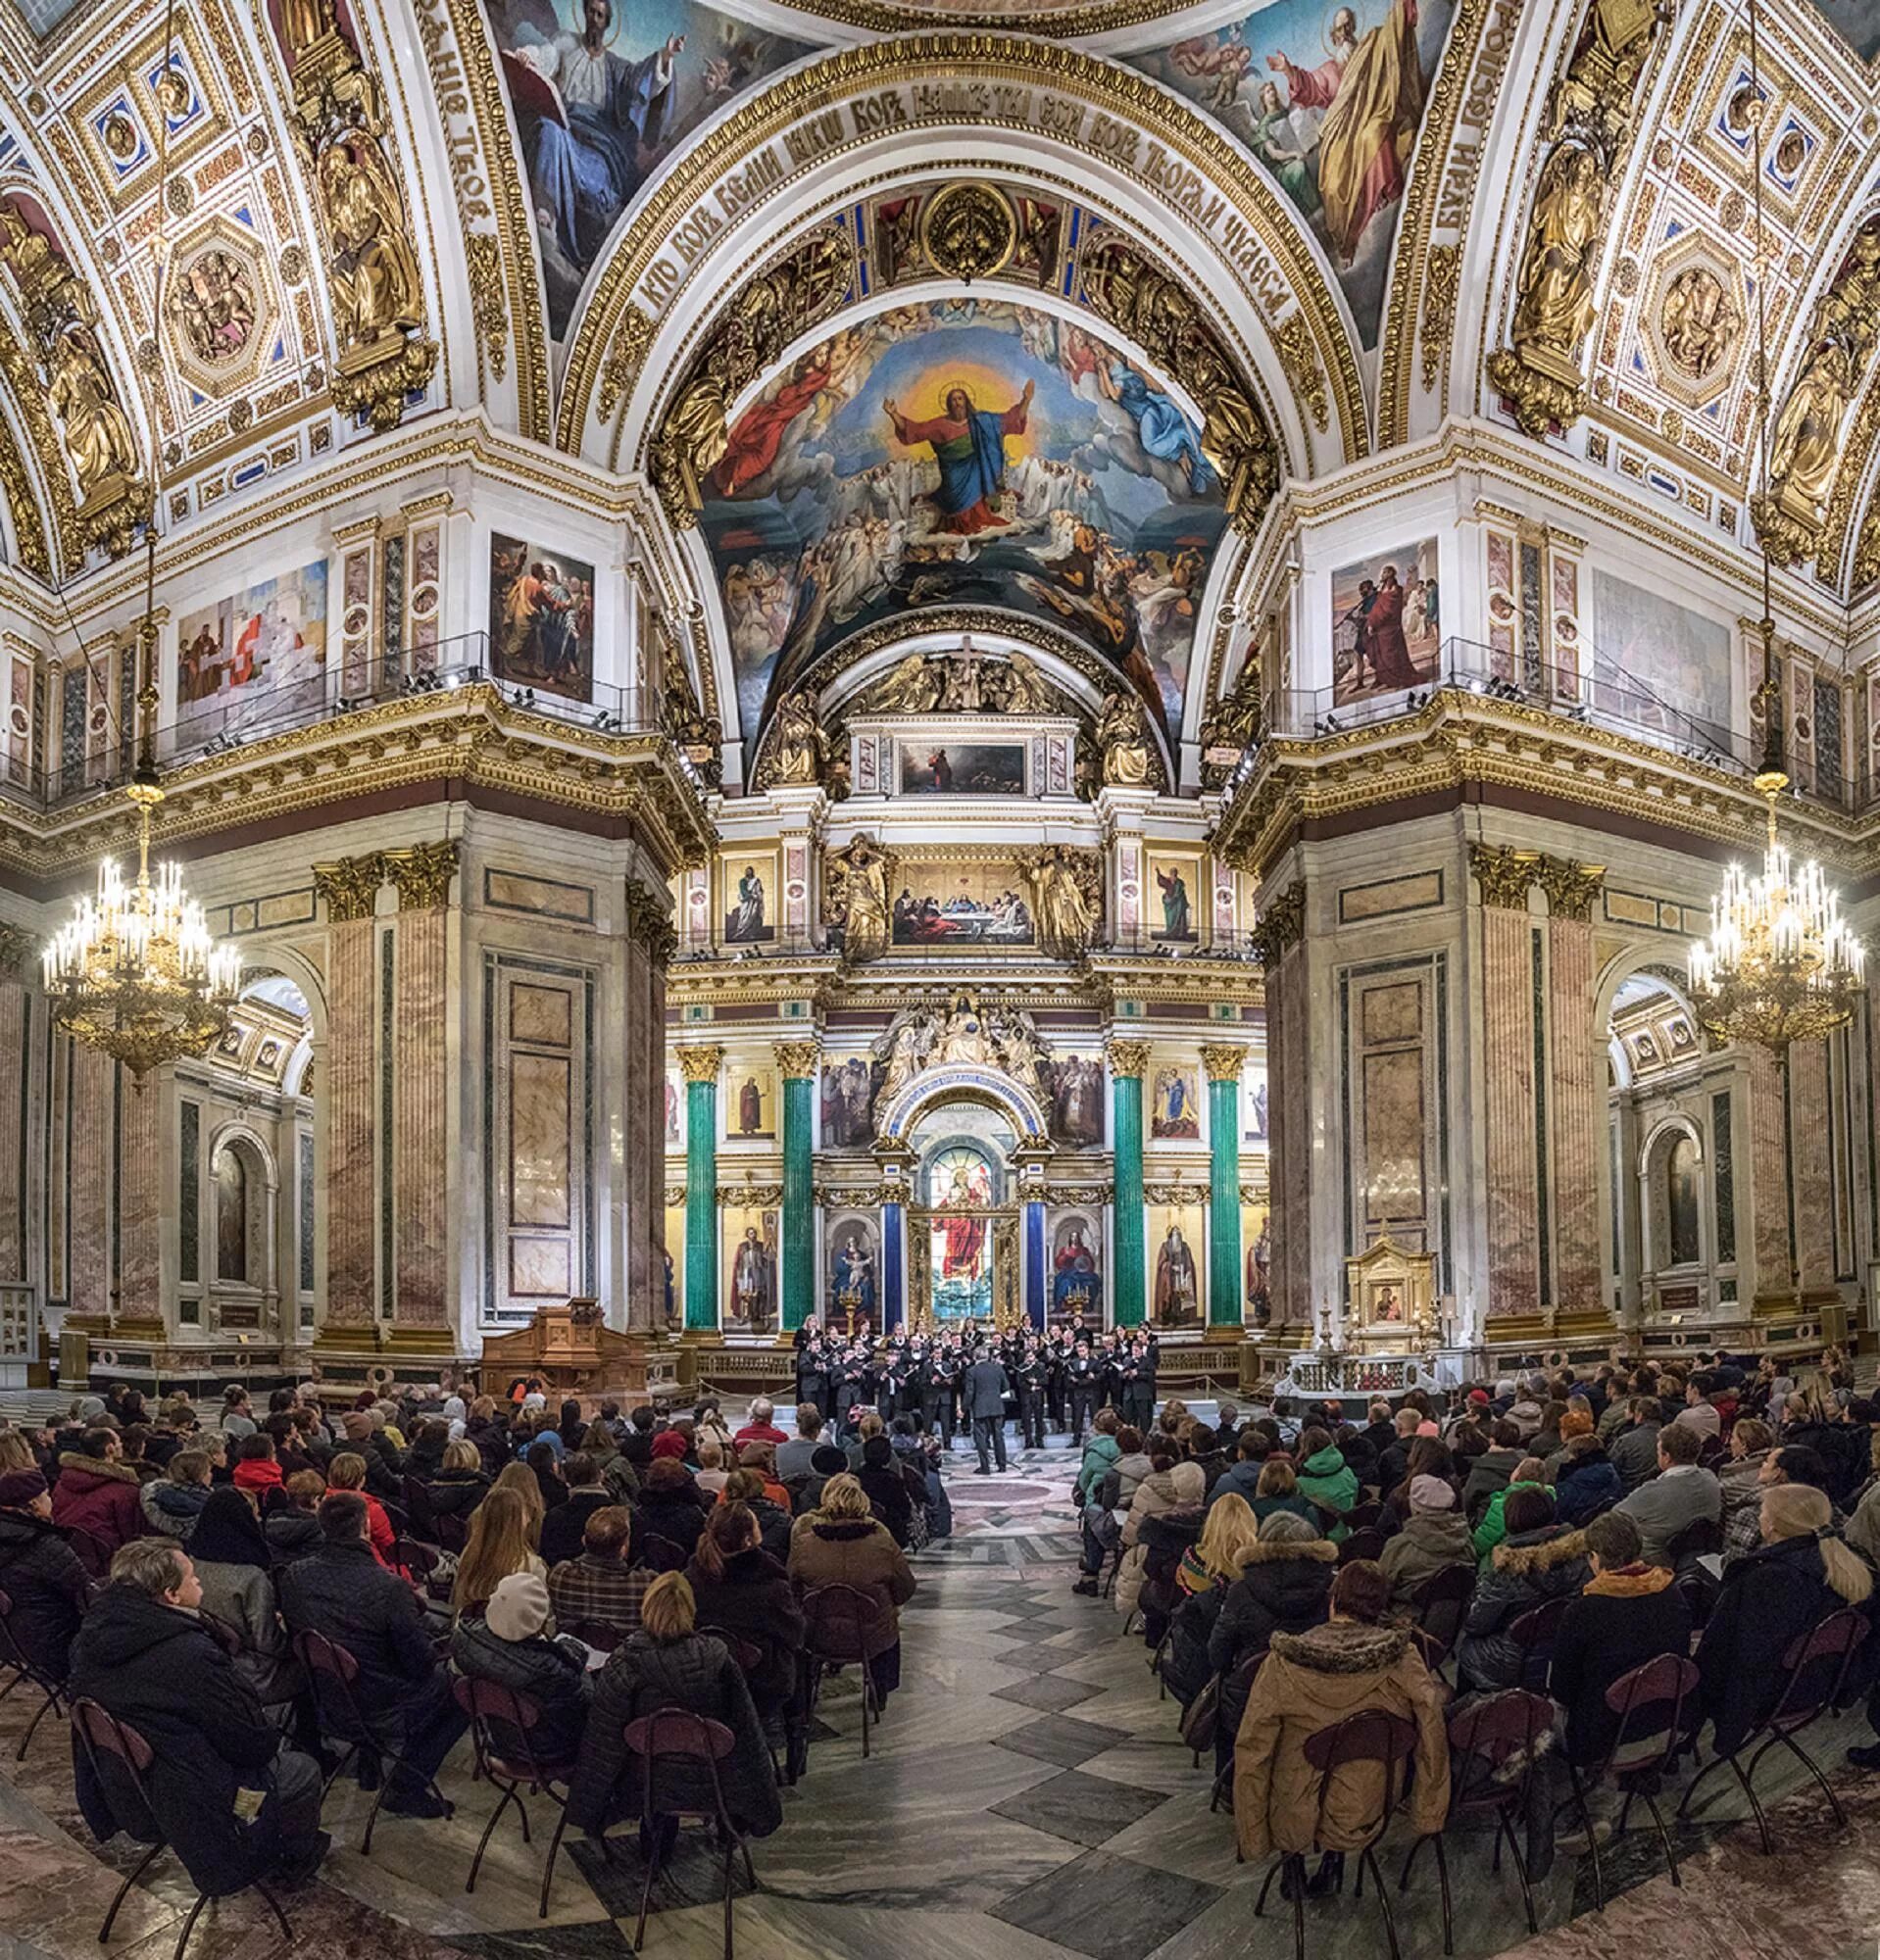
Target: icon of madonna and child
{"x":963,"y":452}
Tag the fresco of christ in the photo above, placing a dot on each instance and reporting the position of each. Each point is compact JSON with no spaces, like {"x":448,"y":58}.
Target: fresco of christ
{"x":969,"y":446}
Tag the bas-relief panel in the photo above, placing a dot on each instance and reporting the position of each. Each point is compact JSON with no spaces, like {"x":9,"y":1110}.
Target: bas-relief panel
{"x":1657,"y":663}
{"x":674,"y":1112}
{"x":235,"y":658}
{"x":954,"y":452}
{"x":1329,"y":101}
{"x":1175,"y":1245}
{"x":602,"y":94}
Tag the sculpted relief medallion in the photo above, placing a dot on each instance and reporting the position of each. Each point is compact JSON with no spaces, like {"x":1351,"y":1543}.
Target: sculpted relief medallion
{"x":1698,"y":323}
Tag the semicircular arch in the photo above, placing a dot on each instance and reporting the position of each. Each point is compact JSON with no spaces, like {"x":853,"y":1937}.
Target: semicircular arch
{"x":964,"y":1082}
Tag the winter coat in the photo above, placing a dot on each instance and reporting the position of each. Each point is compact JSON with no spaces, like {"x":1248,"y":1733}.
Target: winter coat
{"x":1327,"y":1480}
{"x":242,"y":1599}
{"x":1299,"y":1508}
{"x":1242,"y":1478}
{"x":1490,"y":1472}
{"x":170,"y":1511}
{"x":754,"y":1602}
{"x":1101,"y":1451}
{"x":550,"y":1672}
{"x":697,"y":1673}
{"x":1768,"y":1597}
{"x":564,"y":1528}
{"x":1669,"y":1504}
{"x":291,"y":1535}
{"x":1159,"y":1494}
{"x":1634,"y":1452}
{"x":41,"y":1574}
{"x":1522,"y":1572}
{"x":99,"y":1497}
{"x":343,"y":1592}
{"x":162,"y":1671}
{"x":1862,"y":1528}
{"x":456,"y":1493}
{"x":669,"y":1514}
{"x":1282,"y":1589}
{"x":887,"y":1491}
{"x":1621,"y":1620}
{"x":492,"y":1440}
{"x":1492,"y":1528}
{"x":852,"y":1551}
{"x":1184,"y":1664}
{"x":1586,"y":1485}
{"x":1846,"y":1448}
{"x":1743,"y":1502}
{"x":1313,"y":1681}
{"x":1430,"y":1544}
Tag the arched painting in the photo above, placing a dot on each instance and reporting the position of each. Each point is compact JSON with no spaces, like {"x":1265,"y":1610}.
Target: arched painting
{"x":963,"y":452}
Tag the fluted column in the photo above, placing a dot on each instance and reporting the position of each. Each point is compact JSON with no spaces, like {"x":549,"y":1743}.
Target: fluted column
{"x":1576,"y":1050}
{"x":1223,"y":1061}
{"x":21,"y":1031}
{"x":421,"y":1163}
{"x":1279,"y":941}
{"x":796,"y":1071}
{"x":650,"y":945}
{"x":1128,"y":1059}
{"x":350,"y":887}
{"x":1507,"y":1066}
{"x":700,"y":1066}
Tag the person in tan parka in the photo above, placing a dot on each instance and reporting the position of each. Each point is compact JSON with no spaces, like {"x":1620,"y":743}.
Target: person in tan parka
{"x":843,"y":1543}
{"x":1313,"y":1681}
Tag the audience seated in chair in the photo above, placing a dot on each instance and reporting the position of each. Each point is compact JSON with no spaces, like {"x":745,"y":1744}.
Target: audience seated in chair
{"x":1436,"y":1538}
{"x":98,"y":1491}
{"x":604,"y":1586}
{"x":502,"y":1540}
{"x":741,"y":1590}
{"x":1540,"y":1559}
{"x":1680,"y":1496}
{"x":514,"y":1644}
{"x":842,"y":1544}
{"x":233,"y":1563}
{"x":41,"y":1575}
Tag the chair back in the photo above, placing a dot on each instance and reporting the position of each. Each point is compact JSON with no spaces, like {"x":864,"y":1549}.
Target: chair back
{"x":1535,"y":1632}
{"x":120,"y":1760}
{"x":1373,"y":1735}
{"x":1495,"y":1742}
{"x":1367,"y":1542}
{"x":1711,"y":1452}
{"x":418,"y":1502}
{"x":595,"y":1633}
{"x":12,"y":1654}
{"x":663,"y":1554}
{"x":1442,"y":1600}
{"x":416,"y":1559}
{"x":683,"y":1737}
{"x":748,"y":1654}
{"x":99,"y":1729}
{"x":332,"y":1672}
{"x":1649,"y":1703}
{"x":1699,"y":1538}
{"x":1361,"y":1517}
{"x":1815,"y":1667}
{"x":843,"y":1623}
{"x":502,"y":1721}
{"x":90,"y":1549}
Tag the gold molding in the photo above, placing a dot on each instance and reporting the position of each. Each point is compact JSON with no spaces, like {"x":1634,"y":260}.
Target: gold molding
{"x":350,"y":887}
{"x":1127,"y":1056}
{"x":1223,"y":1060}
{"x":1505,"y":874}
{"x":700,"y":1062}
{"x":797,"y":1059}
{"x":423,"y":874}
{"x":1570,"y":888}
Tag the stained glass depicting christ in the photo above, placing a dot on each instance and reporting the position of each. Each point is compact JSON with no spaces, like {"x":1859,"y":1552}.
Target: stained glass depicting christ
{"x":960,"y":1241}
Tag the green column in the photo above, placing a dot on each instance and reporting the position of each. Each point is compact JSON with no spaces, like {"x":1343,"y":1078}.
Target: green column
{"x":700,"y":1067}
{"x":796,"y":1064}
{"x":1127,"y":1061}
{"x":1222,"y":1062}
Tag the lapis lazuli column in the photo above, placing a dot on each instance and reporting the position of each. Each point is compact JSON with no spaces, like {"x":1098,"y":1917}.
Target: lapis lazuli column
{"x":1035,"y":1302}
{"x":700,"y":1067}
{"x":1225,"y":1283}
{"x":1128,"y":1059}
{"x":893,"y":1290}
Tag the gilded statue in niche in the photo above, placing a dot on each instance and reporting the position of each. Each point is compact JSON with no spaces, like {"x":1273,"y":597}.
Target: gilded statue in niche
{"x":797,"y":748}
{"x":1553,"y":309}
{"x":1804,"y":445}
{"x":374,"y":275}
{"x":1698,"y":323}
{"x":97,"y":431}
{"x":855,"y":884}
{"x":1123,"y":743}
{"x":1066,"y":887}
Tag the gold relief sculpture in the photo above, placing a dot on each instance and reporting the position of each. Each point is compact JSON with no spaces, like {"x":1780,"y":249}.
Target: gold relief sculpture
{"x":1442,"y":275}
{"x":1066,"y":890}
{"x":768,"y":313}
{"x":1697,"y":323}
{"x":969,"y":231}
{"x":625,"y":360}
{"x":1162,"y":317}
{"x":1223,"y":1060}
{"x":1866,"y":553}
{"x":350,"y":887}
{"x":1230,"y":725}
{"x":489,"y":310}
{"x":796,"y":751}
{"x":1294,"y":338}
{"x":856,"y":897}
{"x":1127,"y":1056}
{"x":29,"y":527}
{"x":649,"y":921}
{"x":1123,"y":742}
{"x":423,"y":874}
{"x":1280,"y":924}
{"x":214,"y":301}
{"x":1570,"y":888}
{"x":1805,"y":452}
{"x":97,"y":431}
{"x":19,"y":951}
{"x":1503,"y":873}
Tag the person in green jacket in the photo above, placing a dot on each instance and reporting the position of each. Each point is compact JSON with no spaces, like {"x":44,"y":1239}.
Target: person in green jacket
{"x":1100,"y":1456}
{"x":1529,"y":1475}
{"x":1326,"y":1477}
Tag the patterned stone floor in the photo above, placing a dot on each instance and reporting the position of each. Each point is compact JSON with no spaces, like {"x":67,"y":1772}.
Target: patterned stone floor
{"x":1026,"y":1799}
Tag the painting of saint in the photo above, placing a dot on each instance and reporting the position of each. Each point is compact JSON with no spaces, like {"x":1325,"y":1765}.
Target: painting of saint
{"x":1176,"y":1112}
{"x":1173,"y":883}
{"x":1386,"y":626}
{"x":1329,"y":101}
{"x":237,"y":658}
{"x":1387,"y":1308}
{"x":752,"y":1306}
{"x":747,"y":917}
{"x":1177,"y":1297}
{"x":756,"y":1101}
{"x":541,"y":617}
{"x":852,"y":1271}
{"x":962,"y":452}
{"x":602,"y":93}
{"x":958,"y":907}
{"x":1076,"y":1100}
{"x":1076,"y":1286}
{"x":848,"y":1104}
{"x":675,"y":1121}
{"x":962,"y":768}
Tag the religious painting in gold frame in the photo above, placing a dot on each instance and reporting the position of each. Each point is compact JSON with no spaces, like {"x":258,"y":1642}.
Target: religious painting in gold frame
{"x":1390,"y":1296}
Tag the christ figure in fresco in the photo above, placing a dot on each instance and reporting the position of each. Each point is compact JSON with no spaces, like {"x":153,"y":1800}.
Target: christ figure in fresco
{"x":969,"y":446}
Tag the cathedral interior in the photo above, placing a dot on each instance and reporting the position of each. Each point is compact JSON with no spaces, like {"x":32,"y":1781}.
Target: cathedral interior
{"x":949,"y":668}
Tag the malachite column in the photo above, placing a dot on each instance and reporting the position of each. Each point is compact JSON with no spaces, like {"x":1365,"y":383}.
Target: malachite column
{"x":1128,"y":1061}
{"x":700,"y":1067}
{"x":797,"y":1066}
{"x":1222,"y":1062}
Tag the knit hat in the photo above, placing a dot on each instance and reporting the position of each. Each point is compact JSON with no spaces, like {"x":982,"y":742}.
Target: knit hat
{"x":20,"y":1488}
{"x":826,"y":1460}
{"x":518,"y":1609}
{"x":357,"y":1424}
{"x":1427,"y":1428}
{"x":1431,"y":1493}
{"x":1478,"y":1397}
{"x":1285,"y":1528}
{"x":668,"y":1442}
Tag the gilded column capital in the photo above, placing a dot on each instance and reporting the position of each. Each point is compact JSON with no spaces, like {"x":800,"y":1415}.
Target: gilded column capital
{"x":18,"y":951}
{"x":797,"y":1059}
{"x":701,"y":1063}
{"x":350,"y":886}
{"x":649,"y":920}
{"x":423,"y":873}
{"x":1570,"y":888}
{"x":1281,"y":924}
{"x":1504,"y":874}
{"x":1223,"y":1060}
{"x":1127,"y":1056}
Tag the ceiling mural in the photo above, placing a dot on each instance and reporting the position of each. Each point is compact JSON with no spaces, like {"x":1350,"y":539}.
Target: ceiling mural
{"x":603,"y":91}
{"x":1857,"y":22}
{"x":1329,"y":101}
{"x":963,"y":452}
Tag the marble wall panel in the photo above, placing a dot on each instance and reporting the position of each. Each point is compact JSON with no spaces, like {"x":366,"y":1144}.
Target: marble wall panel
{"x":1810,"y":1121}
{"x":422,"y":1156}
{"x":140,"y":1206}
{"x":90,"y":1201}
{"x":351,"y":1261}
{"x":18,"y":1025}
{"x":1577,"y":1107}
{"x":1508,"y":1012}
{"x":1768,"y":1164}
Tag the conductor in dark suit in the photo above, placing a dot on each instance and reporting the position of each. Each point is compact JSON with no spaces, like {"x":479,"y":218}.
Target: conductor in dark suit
{"x":984,"y":1392}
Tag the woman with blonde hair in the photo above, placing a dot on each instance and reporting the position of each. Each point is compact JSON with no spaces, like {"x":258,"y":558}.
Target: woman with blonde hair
{"x":1210,"y":1565}
{"x":501,"y":1541}
{"x":521,"y":1479}
{"x":843,"y":1543}
{"x":1784,"y":1588}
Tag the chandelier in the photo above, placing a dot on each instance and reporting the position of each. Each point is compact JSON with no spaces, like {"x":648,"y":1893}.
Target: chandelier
{"x":1781,"y":964}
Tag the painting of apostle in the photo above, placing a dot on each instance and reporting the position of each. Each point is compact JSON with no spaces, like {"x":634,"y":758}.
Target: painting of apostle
{"x":1177,"y":1294}
{"x":848,"y":1104}
{"x":1176,"y":1112}
{"x":541,"y":617}
{"x":1076,"y":1101}
{"x":747,"y":917}
{"x":1386,"y":625}
{"x":752,"y":1306}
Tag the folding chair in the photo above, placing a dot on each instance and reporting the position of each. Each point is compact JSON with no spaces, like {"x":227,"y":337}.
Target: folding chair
{"x":1374,"y":1737}
{"x":14,"y":1655}
{"x":1113,"y":1565}
{"x":1651,"y":1733}
{"x":595,"y":1633}
{"x":508,"y":1758}
{"x":1535,"y":1632}
{"x":1815,"y":1671}
{"x":1366,"y":1541}
{"x":678,"y":1735}
{"x":130,"y":1757}
{"x":663,"y":1554}
{"x":1441,"y":1603}
{"x":333,"y":1673}
{"x":842,"y":1625}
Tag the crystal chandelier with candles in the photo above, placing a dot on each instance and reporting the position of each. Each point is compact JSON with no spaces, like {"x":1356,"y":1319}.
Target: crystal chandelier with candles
{"x":1781,"y":964}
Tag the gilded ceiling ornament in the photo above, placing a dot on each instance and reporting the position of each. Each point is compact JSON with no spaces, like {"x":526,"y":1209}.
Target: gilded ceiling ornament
{"x":1505,"y":874}
{"x":700,"y":1062}
{"x":293,"y":264}
{"x":768,"y":313}
{"x":23,"y":505}
{"x":969,"y":231}
{"x":1866,"y":553}
{"x":423,"y":874}
{"x":1442,"y":274}
{"x":489,"y":310}
{"x":1230,"y":724}
{"x":1123,"y":740}
{"x":1591,"y":116}
{"x":1698,"y":322}
{"x":1162,"y":317}
{"x":350,"y":887}
{"x":1066,"y":891}
{"x":1299,"y":357}
{"x":855,"y":895}
{"x":626,"y":356}
{"x":1280,"y":924}
{"x":373,"y":279}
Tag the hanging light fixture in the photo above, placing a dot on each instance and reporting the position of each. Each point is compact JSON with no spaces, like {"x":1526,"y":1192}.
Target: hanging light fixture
{"x":1780,"y":965}
{"x":135,"y":972}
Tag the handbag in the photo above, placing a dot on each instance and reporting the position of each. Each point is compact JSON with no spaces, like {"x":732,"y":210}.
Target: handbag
{"x":1202,"y":1717}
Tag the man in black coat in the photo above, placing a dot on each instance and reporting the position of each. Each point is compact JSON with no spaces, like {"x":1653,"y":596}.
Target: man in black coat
{"x":984,"y":1390}
{"x":41,"y":1575}
{"x":343,"y":1592}
{"x":1032,"y":1375}
{"x":1083,"y":1378}
{"x":564,"y":1528}
{"x":144,"y":1655}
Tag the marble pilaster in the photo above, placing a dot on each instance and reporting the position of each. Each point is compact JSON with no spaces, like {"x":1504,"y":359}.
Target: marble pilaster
{"x":1769,"y":1178}
{"x":91,"y":1193}
{"x":700,"y":1066}
{"x":796,"y":1071}
{"x":1811,"y":1122}
{"x":1507,"y":997}
{"x":19,"y":1029}
{"x":350,"y":887}
{"x":140,"y":1202}
{"x":650,"y":942}
{"x":420,"y":1152}
{"x":1223,"y":1061}
{"x":1290,"y":1099}
{"x":1576,"y":1082}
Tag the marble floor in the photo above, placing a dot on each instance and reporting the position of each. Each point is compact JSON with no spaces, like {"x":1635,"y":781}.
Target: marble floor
{"x":1027,"y":1798}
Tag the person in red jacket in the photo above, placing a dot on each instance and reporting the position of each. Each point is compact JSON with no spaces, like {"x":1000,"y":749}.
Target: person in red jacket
{"x":761,"y":1429}
{"x":98,"y":1491}
{"x":258,"y":1472}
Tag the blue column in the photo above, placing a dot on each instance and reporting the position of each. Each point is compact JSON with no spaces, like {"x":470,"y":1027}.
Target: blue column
{"x":1035,"y":1263}
{"x":892,"y":1288}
